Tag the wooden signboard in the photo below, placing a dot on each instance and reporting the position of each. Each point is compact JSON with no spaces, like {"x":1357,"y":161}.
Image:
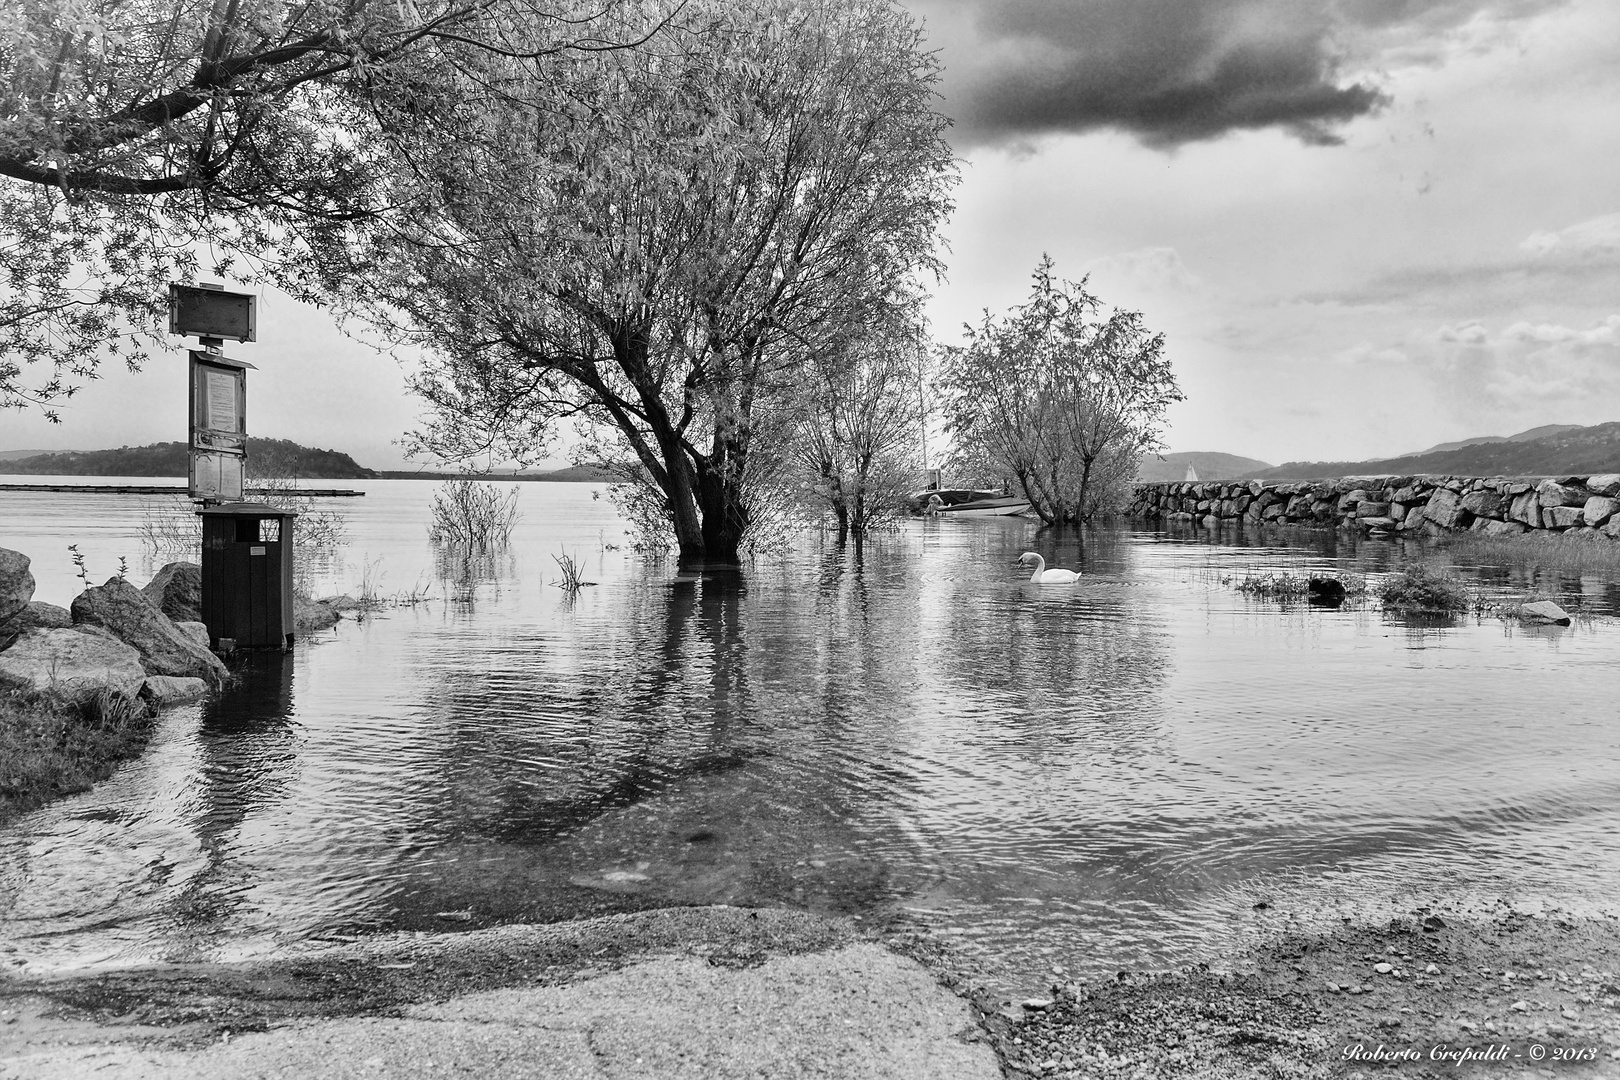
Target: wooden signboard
{"x":218,"y":426}
{"x":208,"y":311}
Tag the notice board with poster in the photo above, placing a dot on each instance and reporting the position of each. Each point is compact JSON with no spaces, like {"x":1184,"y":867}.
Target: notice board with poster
{"x":218,"y":426}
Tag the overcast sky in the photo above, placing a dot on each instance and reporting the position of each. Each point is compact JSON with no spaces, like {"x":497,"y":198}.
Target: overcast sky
{"x":1365,"y":226}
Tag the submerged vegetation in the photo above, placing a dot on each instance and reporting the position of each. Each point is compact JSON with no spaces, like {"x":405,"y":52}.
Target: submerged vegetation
{"x":1421,"y":588}
{"x":473,"y":516}
{"x":1287,"y":585}
{"x":52,"y":746}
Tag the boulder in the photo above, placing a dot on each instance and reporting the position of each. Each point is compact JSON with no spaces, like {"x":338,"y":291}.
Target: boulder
{"x":1526,"y":508}
{"x":1551,"y":493}
{"x":1504,"y":528}
{"x":71,"y":663}
{"x":166,"y":690}
{"x":1372,"y":509}
{"x":197,"y":631}
{"x":1483,"y":503}
{"x":1560,"y":517}
{"x":1604,"y":484}
{"x":1376,"y":522}
{"x":1612,"y":529}
{"x":1543,"y":611}
{"x":1325,"y":591}
{"x":1445,"y":509}
{"x":1351,"y":498}
{"x":41,"y":615}
{"x":1598,"y":509}
{"x":16,"y":584}
{"x":177,"y":591}
{"x":165,"y":649}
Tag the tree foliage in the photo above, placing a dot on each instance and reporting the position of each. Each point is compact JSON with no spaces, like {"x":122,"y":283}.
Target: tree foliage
{"x":143,"y":141}
{"x":653,"y":243}
{"x":1058,"y":397}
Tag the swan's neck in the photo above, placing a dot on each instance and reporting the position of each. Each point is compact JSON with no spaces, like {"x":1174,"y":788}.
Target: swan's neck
{"x":1040,"y":568}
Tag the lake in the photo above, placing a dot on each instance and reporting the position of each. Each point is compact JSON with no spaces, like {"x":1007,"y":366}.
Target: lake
{"x":1087,"y":777}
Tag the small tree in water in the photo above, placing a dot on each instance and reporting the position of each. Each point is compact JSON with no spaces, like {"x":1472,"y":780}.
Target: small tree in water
{"x":1059,"y":398}
{"x":856,"y":427}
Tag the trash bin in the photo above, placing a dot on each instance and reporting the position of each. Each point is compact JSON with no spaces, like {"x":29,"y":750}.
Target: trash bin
{"x":247,"y":574}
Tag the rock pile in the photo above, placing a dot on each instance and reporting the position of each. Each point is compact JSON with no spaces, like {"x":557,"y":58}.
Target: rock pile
{"x":115,"y":638}
{"x":1495,"y":506}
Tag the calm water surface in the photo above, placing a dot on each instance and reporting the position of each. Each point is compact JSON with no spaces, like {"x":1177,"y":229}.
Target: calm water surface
{"x":1096,"y":776}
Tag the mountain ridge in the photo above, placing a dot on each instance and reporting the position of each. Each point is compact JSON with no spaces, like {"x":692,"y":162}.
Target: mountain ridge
{"x":277,"y":457}
{"x":1572,"y":450}
{"x":1529,"y":435}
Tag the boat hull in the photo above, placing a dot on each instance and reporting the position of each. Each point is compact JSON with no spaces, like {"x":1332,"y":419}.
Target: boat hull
{"x":1003,"y":507}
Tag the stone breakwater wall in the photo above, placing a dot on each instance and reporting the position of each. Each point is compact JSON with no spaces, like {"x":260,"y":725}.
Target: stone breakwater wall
{"x":1388,"y":505}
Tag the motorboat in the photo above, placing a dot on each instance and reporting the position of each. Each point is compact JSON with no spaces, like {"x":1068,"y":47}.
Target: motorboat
{"x":966,"y":503}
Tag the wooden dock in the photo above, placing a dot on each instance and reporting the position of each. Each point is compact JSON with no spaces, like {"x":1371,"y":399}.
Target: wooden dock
{"x":143,"y":489}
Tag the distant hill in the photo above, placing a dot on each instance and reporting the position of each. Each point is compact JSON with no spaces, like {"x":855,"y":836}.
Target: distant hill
{"x":266,"y":457}
{"x":8,"y":455}
{"x":1209,"y":466}
{"x":585,"y":473}
{"x":1524,"y":436}
{"x":1571,"y":450}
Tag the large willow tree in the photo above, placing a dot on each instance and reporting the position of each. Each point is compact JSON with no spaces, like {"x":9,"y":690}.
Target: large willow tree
{"x":652,"y":243}
{"x":1059,"y":397}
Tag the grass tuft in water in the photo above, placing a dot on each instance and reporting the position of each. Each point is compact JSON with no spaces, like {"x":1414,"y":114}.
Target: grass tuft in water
{"x":1421,"y":588}
{"x":51,"y":746}
{"x":1555,"y":551}
{"x":571,"y":569}
{"x":1287,"y":585}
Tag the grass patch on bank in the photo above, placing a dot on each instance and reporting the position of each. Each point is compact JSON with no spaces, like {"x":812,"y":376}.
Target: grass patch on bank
{"x":51,"y":746}
{"x":1554,"y":551}
{"x":1421,"y":588}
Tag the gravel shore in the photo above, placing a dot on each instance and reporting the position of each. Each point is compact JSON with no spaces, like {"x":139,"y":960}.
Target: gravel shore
{"x":1483,"y":991}
{"x":1487,"y":990}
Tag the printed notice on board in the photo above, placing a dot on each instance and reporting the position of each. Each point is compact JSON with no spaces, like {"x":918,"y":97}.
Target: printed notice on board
{"x":221,"y":401}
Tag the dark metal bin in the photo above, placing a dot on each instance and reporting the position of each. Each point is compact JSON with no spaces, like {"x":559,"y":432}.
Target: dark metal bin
{"x":247,"y":574}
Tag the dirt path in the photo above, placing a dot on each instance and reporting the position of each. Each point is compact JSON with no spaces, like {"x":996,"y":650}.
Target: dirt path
{"x":679,"y":994}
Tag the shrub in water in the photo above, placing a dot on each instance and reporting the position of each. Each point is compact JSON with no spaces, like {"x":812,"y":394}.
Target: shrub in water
{"x":1418,"y":588}
{"x":473,"y":516}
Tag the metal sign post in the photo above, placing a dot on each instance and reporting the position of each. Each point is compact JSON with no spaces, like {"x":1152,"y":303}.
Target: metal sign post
{"x":217,"y":386}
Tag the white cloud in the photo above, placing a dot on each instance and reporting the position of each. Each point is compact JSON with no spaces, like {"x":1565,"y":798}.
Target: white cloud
{"x":1367,"y":354}
{"x":1555,"y":369}
{"x":1605,"y":333}
{"x":1600,"y":235}
{"x":1151,"y":269}
{"x":1467,"y":334}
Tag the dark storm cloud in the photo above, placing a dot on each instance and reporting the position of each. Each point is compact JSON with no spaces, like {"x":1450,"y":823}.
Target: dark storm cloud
{"x":1176,"y":71}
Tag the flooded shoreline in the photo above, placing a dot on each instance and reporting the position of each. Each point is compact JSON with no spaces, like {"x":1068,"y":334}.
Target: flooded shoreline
{"x":1099,"y":776}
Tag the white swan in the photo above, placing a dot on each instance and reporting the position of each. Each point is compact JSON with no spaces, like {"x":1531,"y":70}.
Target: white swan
{"x":1043,"y":576}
